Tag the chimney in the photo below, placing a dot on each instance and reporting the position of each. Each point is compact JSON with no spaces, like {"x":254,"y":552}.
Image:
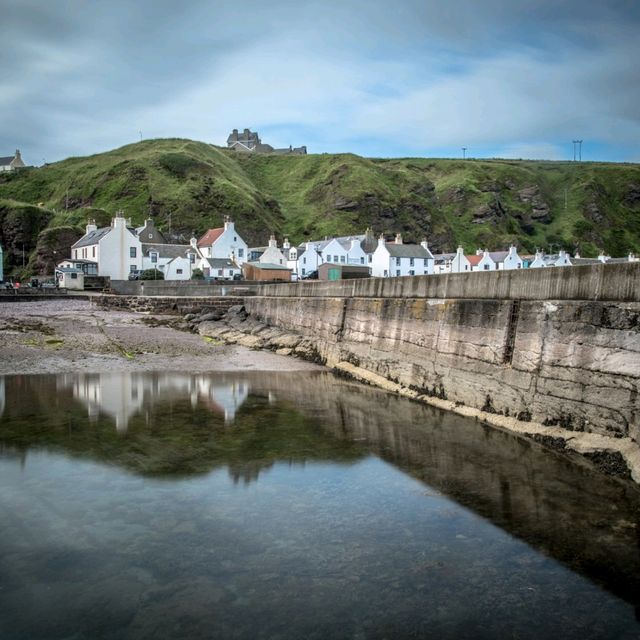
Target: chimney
{"x":272,"y":241}
{"x":18,"y":156}
{"x":424,"y":244}
{"x":286,"y":244}
{"x":91,"y":226}
{"x":601,"y":256}
{"x":193,"y":242}
{"x":381,"y":240}
{"x":119,"y":221}
{"x":398,"y":238}
{"x":479,"y":252}
{"x":228,"y":224}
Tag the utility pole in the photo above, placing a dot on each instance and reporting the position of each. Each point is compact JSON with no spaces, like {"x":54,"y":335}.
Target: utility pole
{"x":577,"y":147}
{"x":140,"y":132}
{"x":579,"y":150}
{"x":464,"y":153}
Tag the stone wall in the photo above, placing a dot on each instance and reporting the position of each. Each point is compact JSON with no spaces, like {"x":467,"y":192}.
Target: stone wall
{"x":574,"y":364}
{"x":620,"y":282}
{"x":180,"y":288}
{"x":166,"y":304}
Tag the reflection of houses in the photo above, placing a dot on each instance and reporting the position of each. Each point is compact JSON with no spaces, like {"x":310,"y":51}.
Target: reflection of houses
{"x":122,"y":396}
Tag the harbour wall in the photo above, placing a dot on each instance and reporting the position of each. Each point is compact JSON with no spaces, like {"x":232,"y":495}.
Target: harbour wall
{"x":498,"y":345}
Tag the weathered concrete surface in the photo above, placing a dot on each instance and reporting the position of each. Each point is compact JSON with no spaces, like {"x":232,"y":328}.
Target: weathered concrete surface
{"x":180,"y":288}
{"x":620,"y":282}
{"x":565,"y":370}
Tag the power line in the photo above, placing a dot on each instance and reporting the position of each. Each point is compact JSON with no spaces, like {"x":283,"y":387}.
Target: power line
{"x":464,"y":153}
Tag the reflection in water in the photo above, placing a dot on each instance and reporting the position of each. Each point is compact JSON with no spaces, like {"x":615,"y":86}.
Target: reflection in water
{"x":288,"y":505}
{"x":122,"y":397}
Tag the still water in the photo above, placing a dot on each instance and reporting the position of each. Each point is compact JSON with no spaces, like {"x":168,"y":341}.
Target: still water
{"x":294,"y":506}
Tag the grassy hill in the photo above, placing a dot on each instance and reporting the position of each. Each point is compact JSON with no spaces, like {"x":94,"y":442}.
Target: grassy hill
{"x":189,"y":186}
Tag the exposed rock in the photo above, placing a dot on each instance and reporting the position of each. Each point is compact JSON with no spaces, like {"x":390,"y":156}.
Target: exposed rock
{"x":491,"y":212}
{"x":632,"y":196}
{"x":540,"y":210}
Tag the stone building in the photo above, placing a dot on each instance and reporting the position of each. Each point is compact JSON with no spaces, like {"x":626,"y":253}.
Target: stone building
{"x":249,"y":142}
{"x":10,"y":163}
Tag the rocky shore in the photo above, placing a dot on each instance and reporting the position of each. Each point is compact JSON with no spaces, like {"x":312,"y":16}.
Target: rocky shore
{"x":64,"y":336}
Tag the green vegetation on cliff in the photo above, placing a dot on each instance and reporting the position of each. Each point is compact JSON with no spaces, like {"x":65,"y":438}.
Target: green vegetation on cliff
{"x":190,"y":186}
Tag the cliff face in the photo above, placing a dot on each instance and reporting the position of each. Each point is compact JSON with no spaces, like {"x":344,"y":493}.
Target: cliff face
{"x":190,"y":186}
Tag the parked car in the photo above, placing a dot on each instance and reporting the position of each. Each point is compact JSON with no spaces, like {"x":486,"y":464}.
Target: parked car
{"x":134,"y":275}
{"x":311,"y":276}
{"x":237,"y":276}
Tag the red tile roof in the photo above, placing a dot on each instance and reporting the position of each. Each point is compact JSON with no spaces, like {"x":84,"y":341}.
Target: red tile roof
{"x":474,"y":260}
{"x":210,"y":237}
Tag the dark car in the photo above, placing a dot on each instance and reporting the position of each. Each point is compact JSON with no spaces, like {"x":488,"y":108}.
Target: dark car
{"x":311,"y":276}
{"x":134,"y":275}
{"x":237,"y":276}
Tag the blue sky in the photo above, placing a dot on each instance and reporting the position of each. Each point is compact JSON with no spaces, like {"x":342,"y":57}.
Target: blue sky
{"x":508,"y":78}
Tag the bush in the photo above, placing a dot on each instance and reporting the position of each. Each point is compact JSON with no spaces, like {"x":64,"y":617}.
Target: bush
{"x":197,"y":274}
{"x":151,"y":274}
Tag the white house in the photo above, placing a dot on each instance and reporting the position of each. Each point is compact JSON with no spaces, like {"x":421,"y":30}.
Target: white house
{"x":561,"y":259}
{"x":460,"y":263}
{"x":442,"y":262}
{"x":220,"y":268}
{"x":69,"y":278}
{"x":497,"y":260}
{"x":176,"y":261}
{"x":346,"y":250}
{"x":10,"y":163}
{"x":512,"y":260}
{"x":224,"y":243}
{"x":309,"y":259}
{"x":272,"y":255}
{"x":117,"y":249}
{"x":398,"y":259}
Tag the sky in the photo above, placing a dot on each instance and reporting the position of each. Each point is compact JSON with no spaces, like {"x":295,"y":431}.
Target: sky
{"x":503,"y":78}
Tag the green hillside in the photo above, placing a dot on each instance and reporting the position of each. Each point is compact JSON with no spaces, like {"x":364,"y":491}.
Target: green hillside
{"x":190,"y":186}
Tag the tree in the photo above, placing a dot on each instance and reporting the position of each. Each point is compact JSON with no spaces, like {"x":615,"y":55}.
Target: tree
{"x":197,"y":274}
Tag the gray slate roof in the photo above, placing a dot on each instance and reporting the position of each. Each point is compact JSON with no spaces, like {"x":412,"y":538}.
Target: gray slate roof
{"x":498,"y":256}
{"x":92,"y":238}
{"x":407,"y":250}
{"x":221,"y":263}
{"x":166,"y":250}
{"x":270,"y":266}
{"x":6,"y":160}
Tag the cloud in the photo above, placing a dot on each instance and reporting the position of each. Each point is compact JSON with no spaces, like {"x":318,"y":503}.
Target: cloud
{"x":415,"y":77}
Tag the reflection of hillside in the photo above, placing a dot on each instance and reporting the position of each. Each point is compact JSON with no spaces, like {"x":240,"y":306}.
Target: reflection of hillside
{"x":589,"y":522}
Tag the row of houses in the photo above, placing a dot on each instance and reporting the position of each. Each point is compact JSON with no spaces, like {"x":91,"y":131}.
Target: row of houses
{"x":121,"y":249}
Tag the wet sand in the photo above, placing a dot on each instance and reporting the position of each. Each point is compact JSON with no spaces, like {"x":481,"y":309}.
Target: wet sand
{"x":60,"y":336}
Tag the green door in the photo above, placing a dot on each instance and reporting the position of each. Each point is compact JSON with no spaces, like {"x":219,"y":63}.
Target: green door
{"x":334,"y":274}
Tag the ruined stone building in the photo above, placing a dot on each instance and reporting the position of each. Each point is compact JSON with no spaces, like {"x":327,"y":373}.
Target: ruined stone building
{"x":249,"y":142}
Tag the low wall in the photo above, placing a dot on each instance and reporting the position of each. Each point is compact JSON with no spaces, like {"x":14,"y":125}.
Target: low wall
{"x":619,"y":282}
{"x":180,"y":288}
{"x":166,"y":304}
{"x":575,"y":364}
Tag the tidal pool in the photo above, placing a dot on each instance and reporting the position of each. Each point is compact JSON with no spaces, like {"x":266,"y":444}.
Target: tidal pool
{"x":295,"y":506}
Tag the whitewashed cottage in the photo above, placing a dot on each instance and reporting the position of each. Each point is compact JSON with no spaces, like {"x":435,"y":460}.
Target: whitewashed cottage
{"x":224,"y":242}
{"x":392,"y":259}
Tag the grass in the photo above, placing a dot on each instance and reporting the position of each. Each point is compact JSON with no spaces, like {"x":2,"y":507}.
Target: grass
{"x":189,"y":186}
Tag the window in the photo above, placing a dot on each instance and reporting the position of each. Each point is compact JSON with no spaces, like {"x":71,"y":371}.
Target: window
{"x":397,"y":272}
{"x":370,"y":257}
{"x":240,"y":253}
{"x":411,"y":263}
{"x":235,"y":238}
{"x":220,"y":272}
{"x":304,"y":272}
{"x":132,"y":252}
{"x":486,"y":267}
{"x":466,"y":267}
{"x":386,"y":273}
{"x":150,"y":235}
{"x":178,"y":270}
{"x":398,"y":262}
{"x":192,"y":258}
{"x":342,"y":258}
{"x":154,"y":257}
{"x":304,"y":261}
{"x":412,"y":272}
{"x":361,"y":259}
{"x":94,"y":252}
{"x":425,"y":262}
{"x":74,"y":276}
{"x":425,"y":272}
{"x":132,"y":268}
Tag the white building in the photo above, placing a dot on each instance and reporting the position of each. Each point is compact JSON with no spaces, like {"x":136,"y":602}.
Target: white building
{"x":117,"y":249}
{"x":497,"y":260}
{"x":11,"y":163}
{"x":309,"y":259}
{"x":541,"y":260}
{"x":460,"y":263}
{"x":392,"y":259}
{"x":176,"y":261}
{"x":271,"y":254}
{"x":220,"y":268}
{"x":225,"y":243}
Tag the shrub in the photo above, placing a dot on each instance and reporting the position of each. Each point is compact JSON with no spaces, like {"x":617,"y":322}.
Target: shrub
{"x":197,"y":274}
{"x":152,"y":274}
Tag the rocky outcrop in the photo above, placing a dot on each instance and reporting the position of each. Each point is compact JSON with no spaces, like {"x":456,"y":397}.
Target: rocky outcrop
{"x":540,"y":210}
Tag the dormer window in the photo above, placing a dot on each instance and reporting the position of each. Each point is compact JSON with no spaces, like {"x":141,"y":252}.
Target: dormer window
{"x":154,"y":257}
